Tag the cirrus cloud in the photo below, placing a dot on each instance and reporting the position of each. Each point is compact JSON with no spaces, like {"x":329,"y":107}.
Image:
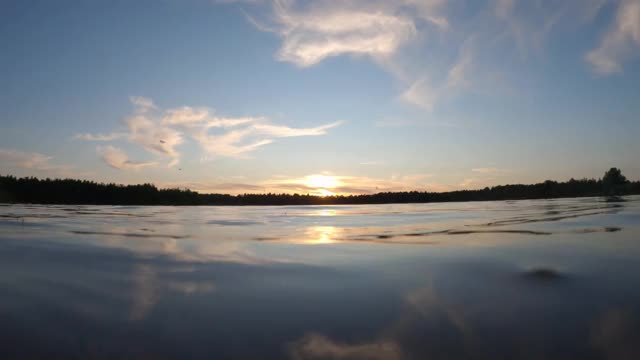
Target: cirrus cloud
{"x":320,"y":31}
{"x":437,"y":50}
{"x":161,"y":132}
{"x":620,"y":43}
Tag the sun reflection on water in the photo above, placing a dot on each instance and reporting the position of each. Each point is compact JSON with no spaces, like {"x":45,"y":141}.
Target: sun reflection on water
{"x":319,"y":235}
{"x":326,"y":212}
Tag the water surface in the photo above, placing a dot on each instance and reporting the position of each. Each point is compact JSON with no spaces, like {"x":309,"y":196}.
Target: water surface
{"x":545,"y":279}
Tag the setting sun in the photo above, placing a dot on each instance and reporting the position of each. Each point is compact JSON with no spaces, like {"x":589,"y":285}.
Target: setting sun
{"x":322,"y":182}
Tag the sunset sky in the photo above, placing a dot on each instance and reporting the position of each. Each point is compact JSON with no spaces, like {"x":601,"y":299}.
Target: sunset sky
{"x":320,"y":97}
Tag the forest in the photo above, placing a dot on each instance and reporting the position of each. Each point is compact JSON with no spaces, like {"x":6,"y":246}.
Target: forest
{"x":71,"y":191}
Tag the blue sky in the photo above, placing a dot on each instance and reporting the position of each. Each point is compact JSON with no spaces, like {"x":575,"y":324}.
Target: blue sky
{"x":320,"y":96}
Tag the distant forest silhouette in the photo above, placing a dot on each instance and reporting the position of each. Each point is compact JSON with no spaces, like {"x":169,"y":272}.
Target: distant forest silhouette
{"x":70,"y":191}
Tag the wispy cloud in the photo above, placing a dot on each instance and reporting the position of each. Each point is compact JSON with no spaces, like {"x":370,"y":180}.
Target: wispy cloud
{"x":186,"y":116}
{"x":433,"y":55}
{"x":372,"y":163}
{"x":317,"y":346}
{"x":36,"y":162}
{"x":327,"y":29}
{"x":25,"y":159}
{"x":378,"y":30}
{"x":458,"y":75}
{"x":481,"y":178}
{"x":417,"y":122}
{"x":421,"y":94}
{"x":484,"y":176}
{"x":285,"y":131}
{"x":426,"y":91}
{"x":100,"y":137}
{"x":161,"y":132}
{"x":487,"y":170}
{"x":117,"y":159}
{"x":620,"y":43}
{"x":142,"y":104}
{"x":256,"y":133}
{"x":153,"y":136}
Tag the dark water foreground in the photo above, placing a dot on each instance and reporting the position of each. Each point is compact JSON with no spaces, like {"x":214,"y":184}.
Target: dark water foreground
{"x":556,"y":279}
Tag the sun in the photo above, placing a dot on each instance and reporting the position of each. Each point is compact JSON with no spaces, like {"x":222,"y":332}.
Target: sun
{"x":322,"y":181}
{"x":325,"y":192}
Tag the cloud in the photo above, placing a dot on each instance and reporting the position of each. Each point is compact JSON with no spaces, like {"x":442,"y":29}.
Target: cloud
{"x":246,"y":134}
{"x":425,"y":94}
{"x":430,"y":11}
{"x":144,"y":294}
{"x":142,"y":104}
{"x":152,"y":136}
{"x":285,"y":131}
{"x":404,"y":122}
{"x":320,"y":31}
{"x":36,"y":162}
{"x":421,"y":94}
{"x":161,"y":132}
{"x":100,"y":137}
{"x":191,"y":287}
{"x":25,"y":160}
{"x":376,"y":29}
{"x":144,"y":130}
{"x":432,"y":55}
{"x":161,"y":135}
{"x":487,"y":178}
{"x":620,"y":43}
{"x":317,"y":346}
{"x":232,"y":144}
{"x":486,"y":170}
{"x":458,"y":75}
{"x":186,"y":116}
{"x":117,"y":159}
{"x":257,"y":133}
{"x":372,"y":163}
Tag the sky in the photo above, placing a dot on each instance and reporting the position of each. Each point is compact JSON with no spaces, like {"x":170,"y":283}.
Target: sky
{"x":319,"y":97}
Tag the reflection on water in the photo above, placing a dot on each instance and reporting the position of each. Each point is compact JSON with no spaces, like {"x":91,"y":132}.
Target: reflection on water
{"x":548,"y":279}
{"x":320,"y":235}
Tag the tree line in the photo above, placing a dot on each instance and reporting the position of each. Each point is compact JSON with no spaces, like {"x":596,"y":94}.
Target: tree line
{"x":71,"y":191}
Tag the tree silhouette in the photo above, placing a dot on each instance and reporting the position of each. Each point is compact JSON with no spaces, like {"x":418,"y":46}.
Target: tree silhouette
{"x":70,"y":191}
{"x":613,"y":182}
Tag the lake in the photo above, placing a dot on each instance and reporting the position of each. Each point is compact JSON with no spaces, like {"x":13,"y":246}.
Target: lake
{"x":542,"y":279}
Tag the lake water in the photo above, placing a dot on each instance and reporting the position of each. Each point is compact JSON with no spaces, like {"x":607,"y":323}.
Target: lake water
{"x":544,"y":279}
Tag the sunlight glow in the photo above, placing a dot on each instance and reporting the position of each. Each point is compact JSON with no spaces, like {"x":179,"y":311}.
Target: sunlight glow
{"x":322,"y":182}
{"x":325,"y":192}
{"x":326,"y":212}
{"x":319,"y":235}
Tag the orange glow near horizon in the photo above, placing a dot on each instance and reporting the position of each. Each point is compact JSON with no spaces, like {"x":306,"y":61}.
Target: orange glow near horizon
{"x":321,"y":184}
{"x":325,"y":192}
{"x":322,"y":181}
